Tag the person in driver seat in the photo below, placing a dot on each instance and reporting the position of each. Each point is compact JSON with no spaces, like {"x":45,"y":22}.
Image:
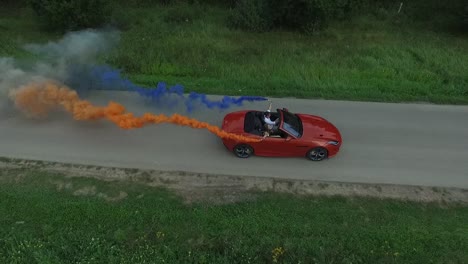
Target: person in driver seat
{"x":271,"y":126}
{"x":268,"y":122}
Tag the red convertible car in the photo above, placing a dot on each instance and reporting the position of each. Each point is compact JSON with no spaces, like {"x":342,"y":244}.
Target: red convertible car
{"x":295,"y":135}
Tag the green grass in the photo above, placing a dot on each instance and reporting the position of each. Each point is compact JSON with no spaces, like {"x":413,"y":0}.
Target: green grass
{"x":42,"y":224}
{"x":378,"y":57}
{"x":18,"y":27}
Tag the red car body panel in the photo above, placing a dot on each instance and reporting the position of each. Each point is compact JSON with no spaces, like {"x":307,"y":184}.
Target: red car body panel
{"x":316,"y":132}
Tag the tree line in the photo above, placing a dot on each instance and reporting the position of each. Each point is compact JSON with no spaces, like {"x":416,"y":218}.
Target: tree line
{"x":306,"y":16}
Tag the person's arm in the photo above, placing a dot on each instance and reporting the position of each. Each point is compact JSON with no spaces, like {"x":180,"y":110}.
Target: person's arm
{"x":269,"y":107}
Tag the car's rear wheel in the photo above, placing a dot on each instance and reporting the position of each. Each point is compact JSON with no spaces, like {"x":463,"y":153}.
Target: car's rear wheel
{"x":317,"y":154}
{"x":243,"y":151}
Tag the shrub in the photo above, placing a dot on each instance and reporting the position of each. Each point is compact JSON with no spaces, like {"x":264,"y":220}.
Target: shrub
{"x":226,"y":3}
{"x":465,"y":18}
{"x":313,"y":15}
{"x":303,"y":15}
{"x":60,"y":15}
{"x":183,"y":13}
{"x":252,"y":15}
{"x":434,"y":14}
{"x":12,"y":3}
{"x":141,"y":3}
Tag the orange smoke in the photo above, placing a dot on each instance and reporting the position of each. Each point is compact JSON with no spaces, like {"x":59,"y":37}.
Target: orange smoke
{"x":37,"y":99}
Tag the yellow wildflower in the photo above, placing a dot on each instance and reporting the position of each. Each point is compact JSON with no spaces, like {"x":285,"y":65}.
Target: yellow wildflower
{"x":277,"y":252}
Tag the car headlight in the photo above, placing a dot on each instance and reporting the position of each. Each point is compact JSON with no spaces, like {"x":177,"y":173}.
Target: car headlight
{"x":335,"y":143}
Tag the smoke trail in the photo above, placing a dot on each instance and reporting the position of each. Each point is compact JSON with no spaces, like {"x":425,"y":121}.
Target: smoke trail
{"x":73,"y":60}
{"x":39,"y":98}
{"x":107,"y":78}
{"x":82,"y":47}
{"x":11,"y":75}
{"x":56,"y":60}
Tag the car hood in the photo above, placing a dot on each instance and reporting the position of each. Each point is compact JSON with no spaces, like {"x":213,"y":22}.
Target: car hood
{"x":315,"y":127}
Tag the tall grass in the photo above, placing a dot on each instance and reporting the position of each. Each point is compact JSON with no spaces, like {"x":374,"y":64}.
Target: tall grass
{"x":379,"y":57}
{"x":368,"y":59}
{"x":52,"y":219}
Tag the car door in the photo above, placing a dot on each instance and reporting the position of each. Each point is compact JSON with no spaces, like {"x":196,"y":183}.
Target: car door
{"x":297,"y":147}
{"x":277,"y":146}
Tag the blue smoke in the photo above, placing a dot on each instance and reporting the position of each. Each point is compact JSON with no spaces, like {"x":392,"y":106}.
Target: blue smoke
{"x":84,"y":78}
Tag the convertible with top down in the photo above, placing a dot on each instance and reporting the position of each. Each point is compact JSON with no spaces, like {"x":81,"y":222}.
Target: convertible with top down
{"x":296,"y":135}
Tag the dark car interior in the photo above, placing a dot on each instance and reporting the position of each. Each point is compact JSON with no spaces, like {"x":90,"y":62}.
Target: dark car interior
{"x":254,"y":123}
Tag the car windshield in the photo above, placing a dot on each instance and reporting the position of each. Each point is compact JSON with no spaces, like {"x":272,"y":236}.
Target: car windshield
{"x":292,"y":124}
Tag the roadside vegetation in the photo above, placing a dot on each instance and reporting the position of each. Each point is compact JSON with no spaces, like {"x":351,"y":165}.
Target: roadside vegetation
{"x":342,"y":49}
{"x":353,"y":50}
{"x":47,"y":218}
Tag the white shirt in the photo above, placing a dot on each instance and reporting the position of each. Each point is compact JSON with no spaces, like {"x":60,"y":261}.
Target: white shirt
{"x":268,"y":121}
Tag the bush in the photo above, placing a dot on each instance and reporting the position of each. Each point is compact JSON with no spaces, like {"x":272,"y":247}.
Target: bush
{"x":465,"y":18}
{"x":143,"y":3}
{"x":60,"y":15}
{"x":224,"y":3}
{"x":312,"y":15}
{"x":183,"y":13}
{"x":308,"y":15}
{"x":12,"y":3}
{"x":303,"y":15}
{"x":252,"y":15}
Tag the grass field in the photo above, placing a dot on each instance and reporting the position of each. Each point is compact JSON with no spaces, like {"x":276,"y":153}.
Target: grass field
{"x":379,"y":57}
{"x":51,"y":219}
{"x":47,"y":218}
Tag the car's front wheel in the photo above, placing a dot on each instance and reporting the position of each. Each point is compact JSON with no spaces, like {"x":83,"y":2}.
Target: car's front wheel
{"x":317,"y":154}
{"x":243,"y":151}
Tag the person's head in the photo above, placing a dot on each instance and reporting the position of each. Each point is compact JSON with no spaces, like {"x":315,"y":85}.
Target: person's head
{"x":268,"y":113}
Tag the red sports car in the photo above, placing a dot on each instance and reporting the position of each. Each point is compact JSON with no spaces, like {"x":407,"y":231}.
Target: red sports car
{"x":293,"y":135}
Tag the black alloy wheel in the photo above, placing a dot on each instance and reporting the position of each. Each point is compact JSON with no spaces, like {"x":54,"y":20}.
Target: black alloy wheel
{"x":243,"y":151}
{"x":317,"y":154}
